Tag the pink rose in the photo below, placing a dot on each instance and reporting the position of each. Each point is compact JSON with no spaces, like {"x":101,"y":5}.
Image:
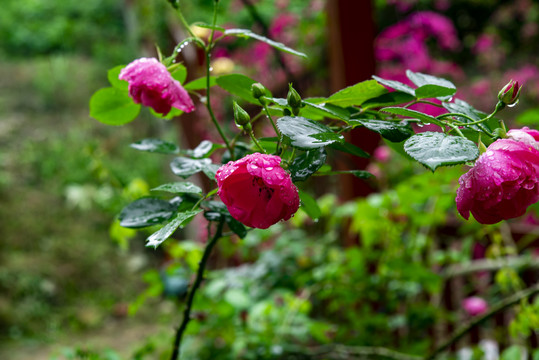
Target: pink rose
{"x":504,"y":180}
{"x":151,"y":84}
{"x":474,"y":305}
{"x":257,"y":191}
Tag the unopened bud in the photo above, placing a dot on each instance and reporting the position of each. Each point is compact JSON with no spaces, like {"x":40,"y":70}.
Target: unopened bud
{"x":294,"y":100}
{"x":258,"y":90}
{"x":240,"y":116}
{"x":509,"y":94}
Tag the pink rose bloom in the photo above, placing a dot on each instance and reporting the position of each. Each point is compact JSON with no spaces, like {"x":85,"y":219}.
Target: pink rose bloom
{"x":474,"y":305}
{"x":257,"y":191}
{"x":150,"y":84}
{"x":504,"y":180}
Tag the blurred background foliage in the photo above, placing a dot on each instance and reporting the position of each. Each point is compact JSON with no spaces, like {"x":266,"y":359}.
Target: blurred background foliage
{"x":68,"y":269}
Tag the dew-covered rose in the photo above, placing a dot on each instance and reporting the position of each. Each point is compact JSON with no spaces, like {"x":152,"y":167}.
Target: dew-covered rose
{"x":474,"y":305}
{"x":257,"y":191}
{"x":150,"y":84}
{"x":504,"y":180}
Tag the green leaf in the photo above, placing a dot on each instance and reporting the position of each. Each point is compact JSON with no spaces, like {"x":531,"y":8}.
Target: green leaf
{"x":146,"y":212}
{"x":113,"y":106}
{"x":307,"y":164}
{"x":238,"y":85}
{"x":307,"y":134}
{"x":324,"y":110}
{"x":434,"y":91}
{"x":156,"y":146}
{"x":238,"y":299}
{"x":391,"y":130}
{"x":357,"y":94}
{"x":433,"y":149}
{"x":164,"y":233}
{"x":310,"y":206}
{"x":389,"y":99}
{"x":185,"y":167}
{"x":179,"y":188}
{"x":350,"y":149}
{"x":279,"y":101}
{"x":200,"y":83}
{"x":397,"y":85}
{"x":249,"y":34}
{"x":180,"y":73}
{"x":113,"y":75}
{"x":362,"y":174}
{"x":218,"y":210}
{"x":210,"y":170}
{"x":204,"y":149}
{"x":209,"y":26}
{"x":529,"y":117}
{"x":412,"y":114}
{"x":237,"y":227}
{"x":174,"y":112}
{"x":420,"y":79}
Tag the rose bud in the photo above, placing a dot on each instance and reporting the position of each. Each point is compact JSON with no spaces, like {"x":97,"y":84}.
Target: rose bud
{"x":509,"y":94}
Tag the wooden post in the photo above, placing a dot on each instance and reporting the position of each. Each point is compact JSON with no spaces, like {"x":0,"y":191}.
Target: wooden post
{"x":351,"y":56}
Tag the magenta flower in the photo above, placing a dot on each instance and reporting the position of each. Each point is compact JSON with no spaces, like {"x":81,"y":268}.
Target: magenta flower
{"x":474,"y":305}
{"x":504,"y":180}
{"x":151,"y":84}
{"x":257,"y":191}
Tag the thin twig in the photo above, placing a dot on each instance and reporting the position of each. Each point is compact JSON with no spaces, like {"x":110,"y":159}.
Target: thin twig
{"x":500,"y":306}
{"x":337,"y":351}
{"x":265,"y":31}
{"x":490,"y":265}
{"x":194,"y":288}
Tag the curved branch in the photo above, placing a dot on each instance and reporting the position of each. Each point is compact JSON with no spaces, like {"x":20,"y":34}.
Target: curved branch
{"x":337,"y":351}
{"x":500,"y":306}
{"x":489,"y":265}
{"x":194,"y":288}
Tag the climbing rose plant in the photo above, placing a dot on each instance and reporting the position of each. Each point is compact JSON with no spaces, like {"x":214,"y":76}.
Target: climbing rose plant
{"x":257,"y":181}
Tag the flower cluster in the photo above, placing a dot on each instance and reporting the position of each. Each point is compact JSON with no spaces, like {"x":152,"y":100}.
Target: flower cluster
{"x":150,"y":84}
{"x":257,"y":191}
{"x":504,"y":180}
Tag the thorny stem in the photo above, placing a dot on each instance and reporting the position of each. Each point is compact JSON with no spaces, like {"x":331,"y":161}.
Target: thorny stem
{"x":456,"y":128}
{"x":500,"y":306}
{"x":208,"y":103}
{"x":253,"y":137}
{"x":209,"y":194}
{"x":194,"y":288}
{"x":274,"y":127}
{"x":184,"y":22}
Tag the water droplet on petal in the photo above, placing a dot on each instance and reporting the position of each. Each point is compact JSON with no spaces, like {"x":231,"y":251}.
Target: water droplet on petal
{"x":269,"y":168}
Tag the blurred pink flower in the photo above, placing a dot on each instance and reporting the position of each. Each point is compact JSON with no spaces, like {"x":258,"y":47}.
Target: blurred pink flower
{"x":402,"y":5}
{"x":151,"y":84}
{"x":436,"y":25}
{"x":484,"y":43}
{"x":382,"y":154}
{"x":404,"y":46}
{"x":257,"y":191}
{"x":504,"y":180}
{"x":280,"y":23}
{"x":474,"y":305}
